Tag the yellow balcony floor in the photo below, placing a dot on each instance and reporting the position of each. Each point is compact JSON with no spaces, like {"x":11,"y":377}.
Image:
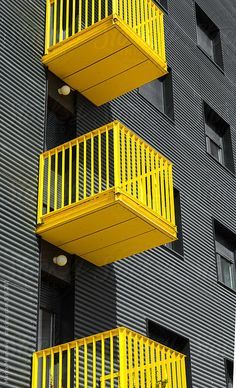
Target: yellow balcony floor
{"x":106,"y":227}
{"x":105,"y":60}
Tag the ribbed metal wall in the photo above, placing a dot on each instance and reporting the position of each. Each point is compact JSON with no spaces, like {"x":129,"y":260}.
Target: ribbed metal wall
{"x":22,"y":99}
{"x":180,"y":293}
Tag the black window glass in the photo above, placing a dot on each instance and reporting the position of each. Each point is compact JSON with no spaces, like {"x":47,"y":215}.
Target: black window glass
{"x":229,"y":367}
{"x":225,"y":245}
{"x":177,"y":245}
{"x":160,"y":94}
{"x":208,"y":37}
{"x":218,"y":138}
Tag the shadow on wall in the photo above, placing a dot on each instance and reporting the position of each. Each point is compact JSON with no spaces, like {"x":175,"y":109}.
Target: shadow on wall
{"x":95,"y":298}
{"x":90,"y":116}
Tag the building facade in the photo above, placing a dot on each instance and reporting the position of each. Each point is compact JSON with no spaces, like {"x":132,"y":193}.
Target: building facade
{"x":181,"y":294}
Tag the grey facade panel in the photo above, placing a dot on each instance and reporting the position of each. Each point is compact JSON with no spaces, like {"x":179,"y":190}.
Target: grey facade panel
{"x":22,"y":100}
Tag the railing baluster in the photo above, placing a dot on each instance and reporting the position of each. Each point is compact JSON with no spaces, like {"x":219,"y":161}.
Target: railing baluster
{"x":70,"y":174}
{"x":63,"y":177}
{"x":163,"y":206}
{"x":94,"y":364}
{"x":136,"y":363}
{"x":130,"y":361}
{"x":56,"y":180}
{"x":60,"y":369}
{"x":183,"y":371}
{"x":52,"y":369}
{"x":128,"y":163}
{"x":171,"y":186}
{"x":49,"y":184}
{"x":142,"y":363}
{"x":80,"y":16}
{"x":167,"y":190}
{"x":153,"y":184}
{"x":44,"y":372}
{"x":143,"y":174}
{"x":99,"y":163}
{"x":55,"y":22}
{"x":107,"y":160}
{"x":67,"y":17}
{"x":175,"y":383}
{"x":92,"y":164}
{"x":61,"y":22}
{"x":123,"y":156}
{"x":111,"y":360}
{"x":168,"y":366}
{"x":134,"y":164}
{"x":35,"y":371}
{"x":140,"y":191}
{"x":77,"y":172}
{"x":149,"y":200}
{"x":85,"y":168}
{"x":86,"y":14}
{"x":68,"y":366}
{"x":73,"y":18}
{"x":153,"y":377}
{"x":48,"y":26}
{"x":41,"y":188}
{"x":103,"y":384}
{"x":147,"y":362}
{"x":76,"y":365}
{"x":99,"y":10}
{"x":85,"y":365}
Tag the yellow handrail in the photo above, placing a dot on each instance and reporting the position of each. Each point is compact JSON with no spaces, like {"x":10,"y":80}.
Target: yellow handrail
{"x":116,"y":358}
{"x":65,"y":18}
{"x":109,"y":157}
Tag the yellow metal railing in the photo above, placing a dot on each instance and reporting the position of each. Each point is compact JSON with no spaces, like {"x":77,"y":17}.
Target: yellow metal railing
{"x":65,"y":18}
{"x":118,"y":358}
{"x":109,"y":157}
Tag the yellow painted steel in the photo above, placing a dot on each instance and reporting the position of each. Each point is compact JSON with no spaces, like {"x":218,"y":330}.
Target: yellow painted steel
{"x":106,"y":195}
{"x":103,"y":48}
{"x":116,"y":358}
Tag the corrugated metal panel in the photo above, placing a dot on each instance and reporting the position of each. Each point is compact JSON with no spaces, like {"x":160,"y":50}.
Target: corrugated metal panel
{"x":179,"y":293}
{"x":22,"y":96}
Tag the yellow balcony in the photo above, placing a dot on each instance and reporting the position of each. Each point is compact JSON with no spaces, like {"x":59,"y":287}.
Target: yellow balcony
{"x":104,"y":48}
{"x":118,"y":358}
{"x":105,"y":195}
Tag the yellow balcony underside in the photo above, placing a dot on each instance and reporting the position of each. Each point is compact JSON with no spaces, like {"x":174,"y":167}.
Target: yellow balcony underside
{"x":105,"y":61}
{"x":106,"y":228}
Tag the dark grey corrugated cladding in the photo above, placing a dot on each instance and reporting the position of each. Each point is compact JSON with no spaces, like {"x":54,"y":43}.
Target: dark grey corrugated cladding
{"x":182,"y":295}
{"x":22,"y":99}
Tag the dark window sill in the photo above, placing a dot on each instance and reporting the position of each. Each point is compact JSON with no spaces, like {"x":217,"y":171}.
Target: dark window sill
{"x":155,"y":107}
{"x":226,"y":287}
{"x":224,"y":167}
{"x":179,"y":255}
{"x":212,"y":60}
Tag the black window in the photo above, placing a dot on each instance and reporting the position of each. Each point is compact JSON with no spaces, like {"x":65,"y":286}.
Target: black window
{"x":218,"y":138}
{"x":225,"y":246}
{"x":163,"y":3}
{"x":160,"y":94}
{"x":177,"y":245}
{"x":173,"y":340}
{"x":208,"y":37}
{"x":229,"y":368}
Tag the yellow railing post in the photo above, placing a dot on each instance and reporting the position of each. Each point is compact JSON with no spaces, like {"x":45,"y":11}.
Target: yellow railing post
{"x":123,"y":358}
{"x":40,"y":189}
{"x":34,"y":371}
{"x":116,"y":133}
{"x":47,"y":25}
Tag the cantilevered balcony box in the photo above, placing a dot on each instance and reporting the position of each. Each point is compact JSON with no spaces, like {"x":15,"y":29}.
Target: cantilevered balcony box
{"x":106,"y":195}
{"x":116,"y":358}
{"x":104,"y":48}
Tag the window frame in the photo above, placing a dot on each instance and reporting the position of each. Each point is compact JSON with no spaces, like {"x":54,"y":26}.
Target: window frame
{"x":227,"y":361}
{"x":163,"y":7}
{"x":222,"y":251}
{"x":168,"y":104}
{"x":212,"y":31}
{"x":221,"y":140}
